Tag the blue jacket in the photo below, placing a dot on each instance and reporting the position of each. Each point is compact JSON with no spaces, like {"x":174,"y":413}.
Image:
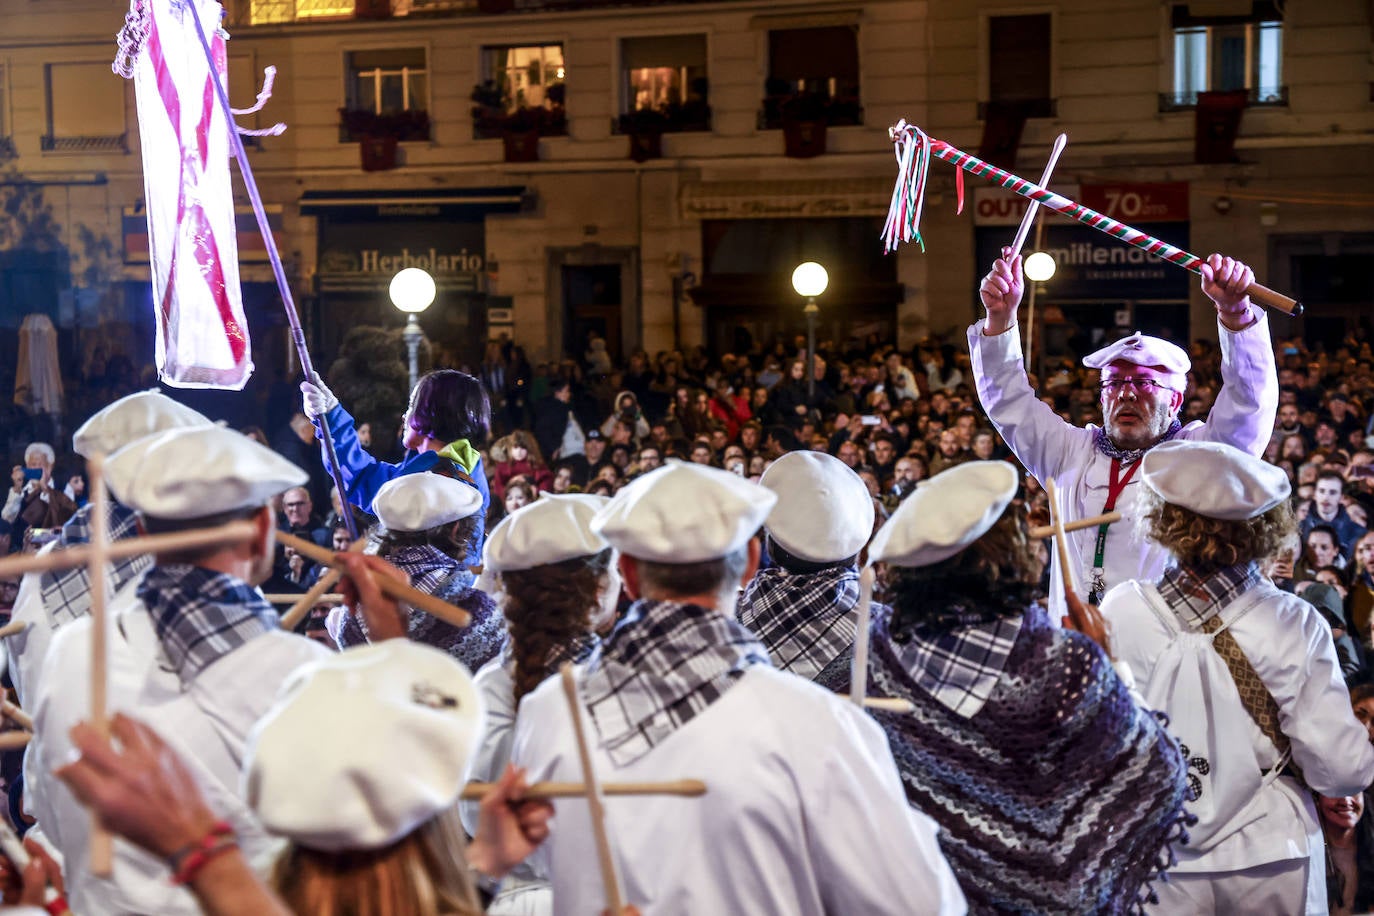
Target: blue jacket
{"x":363,"y":475}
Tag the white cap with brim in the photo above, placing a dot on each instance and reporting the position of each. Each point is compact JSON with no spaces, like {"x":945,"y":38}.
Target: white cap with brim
{"x":1214,"y":479}
{"x":553,"y":528}
{"x":198,"y":472}
{"x":1144,"y":350}
{"x":824,"y":512}
{"x":363,"y":747}
{"x":140,"y":414}
{"x":945,"y":514}
{"x":684,"y":513}
{"x":419,"y":502}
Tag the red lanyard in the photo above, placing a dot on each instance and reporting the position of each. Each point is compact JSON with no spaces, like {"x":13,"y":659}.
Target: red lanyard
{"x":1114,"y":488}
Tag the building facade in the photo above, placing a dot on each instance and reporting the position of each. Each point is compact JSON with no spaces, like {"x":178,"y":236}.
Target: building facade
{"x":652,"y":172}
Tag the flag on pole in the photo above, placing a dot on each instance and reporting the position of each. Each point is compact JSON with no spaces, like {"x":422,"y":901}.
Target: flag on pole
{"x":202,"y":337}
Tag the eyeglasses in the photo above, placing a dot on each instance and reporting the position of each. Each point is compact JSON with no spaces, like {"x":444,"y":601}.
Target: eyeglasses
{"x":294,"y":505}
{"x":1140,"y":385}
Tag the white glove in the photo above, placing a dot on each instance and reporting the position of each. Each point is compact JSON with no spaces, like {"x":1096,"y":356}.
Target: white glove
{"x":316,"y":399}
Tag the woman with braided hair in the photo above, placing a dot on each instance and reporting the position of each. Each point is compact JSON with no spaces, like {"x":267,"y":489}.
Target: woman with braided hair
{"x":559,"y":589}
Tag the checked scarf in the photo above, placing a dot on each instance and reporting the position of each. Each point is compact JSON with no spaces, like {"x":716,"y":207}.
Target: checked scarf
{"x":67,"y":592}
{"x":804,"y":621}
{"x":1131,"y":455}
{"x":959,"y":667}
{"x":202,"y":615}
{"x":665,"y":663}
{"x":1196,"y":599}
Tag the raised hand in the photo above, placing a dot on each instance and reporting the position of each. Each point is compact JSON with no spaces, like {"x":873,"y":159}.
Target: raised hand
{"x":1001,"y":292}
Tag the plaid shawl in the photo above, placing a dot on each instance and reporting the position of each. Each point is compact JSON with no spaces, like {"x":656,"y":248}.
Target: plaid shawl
{"x":67,"y":592}
{"x":804,"y":621}
{"x":1196,"y":599}
{"x":959,"y":667}
{"x":665,"y":663}
{"x":202,"y":615}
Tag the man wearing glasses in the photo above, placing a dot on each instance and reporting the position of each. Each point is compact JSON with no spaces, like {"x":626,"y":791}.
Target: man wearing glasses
{"x":1142,"y":388}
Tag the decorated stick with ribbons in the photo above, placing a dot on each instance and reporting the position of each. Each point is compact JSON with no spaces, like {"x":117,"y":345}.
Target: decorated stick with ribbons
{"x":914,"y":150}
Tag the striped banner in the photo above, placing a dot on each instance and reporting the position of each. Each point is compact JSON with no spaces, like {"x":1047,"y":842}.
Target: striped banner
{"x":202,"y":337}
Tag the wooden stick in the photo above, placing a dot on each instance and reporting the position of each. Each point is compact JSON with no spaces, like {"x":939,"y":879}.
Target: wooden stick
{"x":317,"y":593}
{"x":858,"y":671}
{"x":80,"y":554}
{"x":303,"y":598}
{"x":13,"y":741}
{"x":1061,"y":540}
{"x":13,"y":628}
{"x":690,"y":788}
{"x":102,"y":843}
{"x":890,"y":704}
{"x":609,"y":879}
{"x":400,"y":592}
{"x":1045,"y":531}
{"x":1059,"y":143}
{"x":16,"y":715}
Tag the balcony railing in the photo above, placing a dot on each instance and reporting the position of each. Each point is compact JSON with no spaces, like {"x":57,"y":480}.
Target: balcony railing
{"x":1186,"y":101}
{"x":118,"y":144}
{"x":277,"y":12}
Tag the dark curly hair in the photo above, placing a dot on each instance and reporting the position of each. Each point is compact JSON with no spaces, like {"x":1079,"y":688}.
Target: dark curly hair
{"x":547,"y":607}
{"x":453,"y":538}
{"x":1204,"y":545}
{"x":996,"y":576}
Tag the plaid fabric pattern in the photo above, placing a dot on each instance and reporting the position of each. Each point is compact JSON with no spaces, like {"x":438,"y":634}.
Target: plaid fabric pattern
{"x":67,"y":592}
{"x":665,"y":663}
{"x":960,"y":667}
{"x":576,"y":650}
{"x":1130,"y":455}
{"x":201,"y":615}
{"x":1197,"y":599}
{"x":805,"y":622}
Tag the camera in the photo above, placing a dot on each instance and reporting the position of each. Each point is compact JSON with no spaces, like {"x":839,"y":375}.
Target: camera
{"x":33,"y":473}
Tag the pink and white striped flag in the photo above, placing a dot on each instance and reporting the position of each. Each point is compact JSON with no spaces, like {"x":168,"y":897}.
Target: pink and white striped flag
{"x":202,"y":337}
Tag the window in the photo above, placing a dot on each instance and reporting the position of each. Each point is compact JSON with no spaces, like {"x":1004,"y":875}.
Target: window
{"x":523,"y":85}
{"x":814,"y":71}
{"x":387,"y":94}
{"x":85,"y":109}
{"x":265,"y":12}
{"x":1228,"y":54}
{"x":1020,"y":56}
{"x":667,"y":74}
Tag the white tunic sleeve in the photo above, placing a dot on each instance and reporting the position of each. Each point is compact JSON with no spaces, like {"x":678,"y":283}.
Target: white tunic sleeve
{"x":1039,"y":437}
{"x":1243,"y":414}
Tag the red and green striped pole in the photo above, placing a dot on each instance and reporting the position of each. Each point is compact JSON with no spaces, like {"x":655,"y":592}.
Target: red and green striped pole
{"x":906,"y":133}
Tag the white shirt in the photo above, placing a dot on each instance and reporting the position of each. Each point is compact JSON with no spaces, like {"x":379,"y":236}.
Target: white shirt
{"x":1290,"y":649}
{"x":804,"y":812}
{"x":26,"y":650}
{"x":1052,"y":449}
{"x":207,"y":724}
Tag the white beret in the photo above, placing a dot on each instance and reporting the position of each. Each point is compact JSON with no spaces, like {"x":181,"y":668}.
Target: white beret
{"x":684,"y":513}
{"x":419,"y":502}
{"x":198,"y":471}
{"x":132,"y":417}
{"x":824,"y":511}
{"x":364,"y":746}
{"x":1142,"y":350}
{"x":1214,"y":479}
{"x":945,"y":514}
{"x":551,"y":529}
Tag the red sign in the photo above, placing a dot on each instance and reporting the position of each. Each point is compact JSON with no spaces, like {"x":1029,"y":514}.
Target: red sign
{"x":1164,"y":202}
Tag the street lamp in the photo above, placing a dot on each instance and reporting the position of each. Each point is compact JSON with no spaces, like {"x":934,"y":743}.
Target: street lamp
{"x":412,"y":290}
{"x":1039,"y":267}
{"x":810,"y":280}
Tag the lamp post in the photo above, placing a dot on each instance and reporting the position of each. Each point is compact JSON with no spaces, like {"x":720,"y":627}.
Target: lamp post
{"x":412,"y":290}
{"x":809,"y":280}
{"x":1039,"y":267}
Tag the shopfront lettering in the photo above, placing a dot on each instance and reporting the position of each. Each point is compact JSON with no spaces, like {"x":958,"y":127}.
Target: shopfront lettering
{"x":373,"y":260}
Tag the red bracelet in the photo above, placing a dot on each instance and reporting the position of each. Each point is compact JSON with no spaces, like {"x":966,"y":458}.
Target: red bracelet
{"x":57,"y":906}
{"x":189,"y":860}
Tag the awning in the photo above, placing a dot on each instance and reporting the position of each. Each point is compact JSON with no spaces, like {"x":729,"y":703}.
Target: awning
{"x":831,"y":197}
{"x":472,"y":203}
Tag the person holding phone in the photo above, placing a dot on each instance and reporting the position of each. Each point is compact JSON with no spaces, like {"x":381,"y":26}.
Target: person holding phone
{"x":32,"y":501}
